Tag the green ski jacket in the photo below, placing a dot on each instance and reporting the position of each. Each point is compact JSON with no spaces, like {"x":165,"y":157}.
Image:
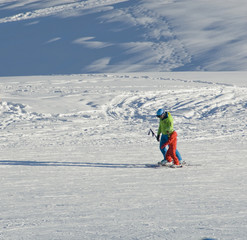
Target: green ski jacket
{"x":166,"y":125}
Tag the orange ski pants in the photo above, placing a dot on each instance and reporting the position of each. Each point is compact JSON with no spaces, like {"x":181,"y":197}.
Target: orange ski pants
{"x":171,"y":152}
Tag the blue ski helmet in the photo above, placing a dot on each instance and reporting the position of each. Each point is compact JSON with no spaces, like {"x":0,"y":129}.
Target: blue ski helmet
{"x":160,"y":112}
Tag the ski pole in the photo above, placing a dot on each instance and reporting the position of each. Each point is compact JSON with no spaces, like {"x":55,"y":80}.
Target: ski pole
{"x":153,"y":134}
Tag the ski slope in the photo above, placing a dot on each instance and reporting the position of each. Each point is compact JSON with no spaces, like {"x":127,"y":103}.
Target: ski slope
{"x":74,"y":149}
{"x":95,"y":36}
{"x":80,"y":83}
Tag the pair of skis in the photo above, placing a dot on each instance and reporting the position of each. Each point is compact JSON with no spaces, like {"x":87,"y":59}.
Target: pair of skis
{"x":159,"y":165}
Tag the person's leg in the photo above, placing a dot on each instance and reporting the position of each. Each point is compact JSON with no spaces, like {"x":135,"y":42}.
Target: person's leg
{"x":163,"y":140}
{"x":179,"y":156}
{"x":169,"y":154}
{"x":175,"y":159}
{"x":173,"y":147}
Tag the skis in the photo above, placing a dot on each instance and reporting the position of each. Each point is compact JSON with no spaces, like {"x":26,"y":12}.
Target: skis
{"x":161,"y":166}
{"x":158,"y":165}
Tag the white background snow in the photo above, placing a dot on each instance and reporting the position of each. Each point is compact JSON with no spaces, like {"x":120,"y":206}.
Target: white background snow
{"x":74,"y":143}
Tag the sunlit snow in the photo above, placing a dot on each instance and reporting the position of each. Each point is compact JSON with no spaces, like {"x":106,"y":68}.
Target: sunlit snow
{"x":80,"y":84}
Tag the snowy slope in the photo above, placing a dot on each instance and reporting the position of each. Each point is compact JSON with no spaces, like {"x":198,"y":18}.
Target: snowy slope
{"x":94,"y":36}
{"x":74,"y":149}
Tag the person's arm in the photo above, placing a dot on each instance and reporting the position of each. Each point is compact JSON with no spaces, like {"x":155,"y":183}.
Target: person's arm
{"x":159,"y":130}
{"x":158,"y":133}
{"x":169,"y":129}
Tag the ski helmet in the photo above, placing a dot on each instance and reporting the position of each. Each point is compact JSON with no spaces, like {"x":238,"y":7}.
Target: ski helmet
{"x":160,"y":112}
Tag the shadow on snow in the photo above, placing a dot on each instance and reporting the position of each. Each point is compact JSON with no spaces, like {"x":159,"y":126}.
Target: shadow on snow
{"x":69,"y":164}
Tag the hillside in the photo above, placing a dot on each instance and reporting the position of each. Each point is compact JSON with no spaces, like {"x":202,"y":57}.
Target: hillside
{"x":71,"y":37}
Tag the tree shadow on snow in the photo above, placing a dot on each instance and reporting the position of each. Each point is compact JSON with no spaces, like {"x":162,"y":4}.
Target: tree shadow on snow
{"x":70,"y":164}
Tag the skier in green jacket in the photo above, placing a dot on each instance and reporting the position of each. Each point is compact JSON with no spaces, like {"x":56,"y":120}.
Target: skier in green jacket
{"x":165,"y":130}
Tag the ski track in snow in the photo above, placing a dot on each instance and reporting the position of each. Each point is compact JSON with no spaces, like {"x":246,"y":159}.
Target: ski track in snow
{"x":74,"y":149}
{"x":201,"y":112}
{"x":59,"y":9}
{"x":154,"y":45}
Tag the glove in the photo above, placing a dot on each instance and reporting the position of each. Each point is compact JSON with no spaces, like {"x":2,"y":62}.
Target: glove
{"x":158,"y":138}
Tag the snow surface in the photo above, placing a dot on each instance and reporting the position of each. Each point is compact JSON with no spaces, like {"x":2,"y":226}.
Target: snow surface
{"x":74,"y":144}
{"x":74,"y":149}
{"x":95,"y":36}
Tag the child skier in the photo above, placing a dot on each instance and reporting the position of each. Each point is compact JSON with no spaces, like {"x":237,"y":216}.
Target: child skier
{"x":168,"y":138}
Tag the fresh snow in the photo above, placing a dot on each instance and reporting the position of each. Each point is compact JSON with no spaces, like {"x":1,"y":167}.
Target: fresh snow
{"x":95,"y":36}
{"x":74,"y":149}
